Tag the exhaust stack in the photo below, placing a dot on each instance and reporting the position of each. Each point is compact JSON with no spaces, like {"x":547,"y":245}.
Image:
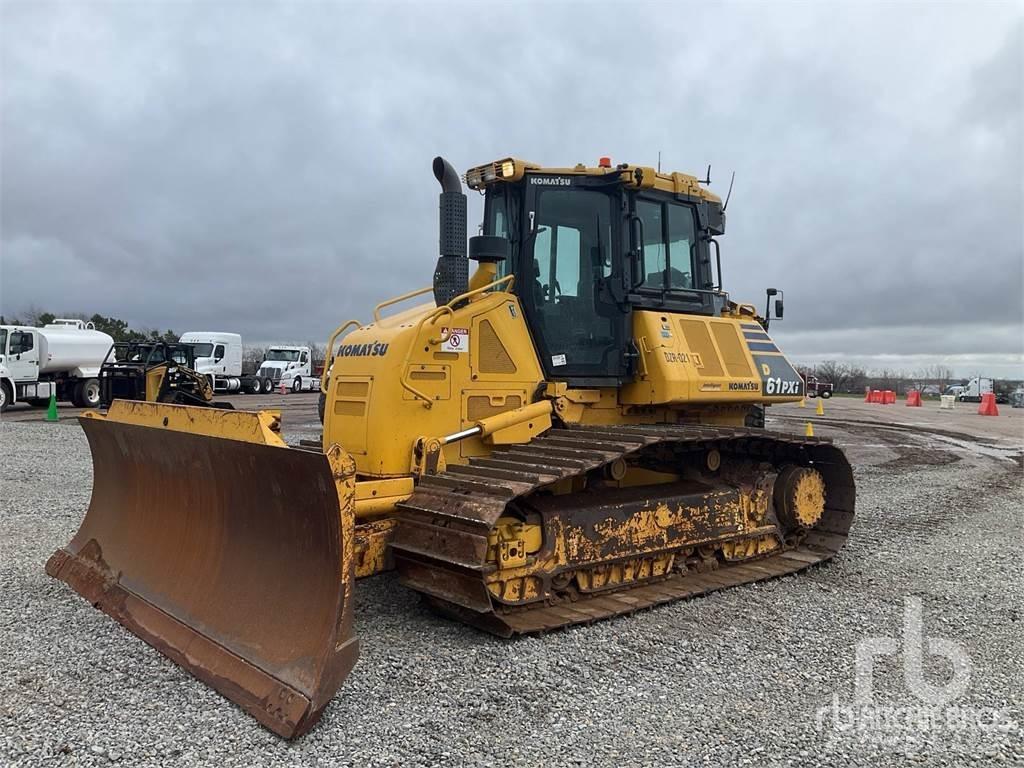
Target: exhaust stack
{"x":451,"y":276}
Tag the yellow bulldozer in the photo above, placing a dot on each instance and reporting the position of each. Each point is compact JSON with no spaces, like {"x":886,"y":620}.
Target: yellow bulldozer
{"x":574,"y":432}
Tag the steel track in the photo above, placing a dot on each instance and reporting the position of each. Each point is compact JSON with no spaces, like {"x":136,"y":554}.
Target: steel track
{"x":440,"y":544}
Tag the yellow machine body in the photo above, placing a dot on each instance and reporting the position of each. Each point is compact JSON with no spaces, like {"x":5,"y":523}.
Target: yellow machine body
{"x":397,"y":379}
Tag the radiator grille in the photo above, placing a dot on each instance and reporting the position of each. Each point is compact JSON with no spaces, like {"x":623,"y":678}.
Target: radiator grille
{"x":493,"y":357}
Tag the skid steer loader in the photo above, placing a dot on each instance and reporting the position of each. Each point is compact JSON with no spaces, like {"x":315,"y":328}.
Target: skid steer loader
{"x":572,"y":433}
{"x":157,"y":371}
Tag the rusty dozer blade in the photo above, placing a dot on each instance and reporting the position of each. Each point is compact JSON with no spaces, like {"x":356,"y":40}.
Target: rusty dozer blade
{"x":225,"y":550}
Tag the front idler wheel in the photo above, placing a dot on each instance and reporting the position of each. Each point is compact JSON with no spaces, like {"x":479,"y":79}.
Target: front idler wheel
{"x":799,"y":497}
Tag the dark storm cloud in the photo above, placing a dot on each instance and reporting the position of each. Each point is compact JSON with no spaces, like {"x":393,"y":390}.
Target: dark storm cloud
{"x":266,"y":169}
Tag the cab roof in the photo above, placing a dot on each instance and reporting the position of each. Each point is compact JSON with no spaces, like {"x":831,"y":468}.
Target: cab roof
{"x":512,"y":169}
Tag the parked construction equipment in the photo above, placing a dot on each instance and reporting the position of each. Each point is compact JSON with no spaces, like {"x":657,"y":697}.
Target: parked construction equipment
{"x":560,"y":438}
{"x":156,"y":371}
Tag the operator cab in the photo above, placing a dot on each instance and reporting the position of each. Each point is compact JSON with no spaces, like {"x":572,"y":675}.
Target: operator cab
{"x":587,"y":245}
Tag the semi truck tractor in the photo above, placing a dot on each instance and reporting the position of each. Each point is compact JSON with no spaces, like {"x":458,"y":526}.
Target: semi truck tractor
{"x":816,"y":387}
{"x":291,"y":367}
{"x":974,"y":389}
{"x":218,"y":356}
{"x":62,"y":358}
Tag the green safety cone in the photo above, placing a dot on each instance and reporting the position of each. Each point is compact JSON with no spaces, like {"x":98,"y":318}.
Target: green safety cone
{"x":51,"y":411}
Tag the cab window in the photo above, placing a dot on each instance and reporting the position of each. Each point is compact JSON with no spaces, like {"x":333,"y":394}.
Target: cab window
{"x":218,"y":352}
{"x":496,"y":223}
{"x":669,"y":236}
{"x":20,"y":342}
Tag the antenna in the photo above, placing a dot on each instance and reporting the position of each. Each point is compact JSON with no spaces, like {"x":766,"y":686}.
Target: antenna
{"x":708,"y":179}
{"x":659,"y":161}
{"x":729,"y":193}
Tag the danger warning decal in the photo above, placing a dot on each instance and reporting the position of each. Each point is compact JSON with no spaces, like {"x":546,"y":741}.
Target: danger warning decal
{"x":457,"y":341}
{"x":778,"y":377}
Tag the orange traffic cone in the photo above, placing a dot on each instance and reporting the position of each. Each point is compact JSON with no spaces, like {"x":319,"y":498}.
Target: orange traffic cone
{"x":890,"y":397}
{"x":914,"y":398}
{"x":988,"y":405}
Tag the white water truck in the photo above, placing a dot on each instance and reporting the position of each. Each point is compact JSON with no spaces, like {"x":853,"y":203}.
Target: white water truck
{"x":62,"y":358}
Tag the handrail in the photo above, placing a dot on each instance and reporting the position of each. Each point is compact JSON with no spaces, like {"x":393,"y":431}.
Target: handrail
{"x":397,"y":300}
{"x":433,"y":317}
{"x":510,"y":279}
{"x":329,"y":356}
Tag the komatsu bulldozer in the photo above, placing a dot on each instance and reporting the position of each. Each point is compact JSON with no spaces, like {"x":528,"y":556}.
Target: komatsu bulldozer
{"x":573,"y":432}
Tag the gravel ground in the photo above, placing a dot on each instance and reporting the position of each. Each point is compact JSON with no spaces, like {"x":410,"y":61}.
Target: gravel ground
{"x":738,"y":677}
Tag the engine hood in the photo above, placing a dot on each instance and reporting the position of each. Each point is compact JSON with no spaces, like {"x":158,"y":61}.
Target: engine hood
{"x":275,"y":365}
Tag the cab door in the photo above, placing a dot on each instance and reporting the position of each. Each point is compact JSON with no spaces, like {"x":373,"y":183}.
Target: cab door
{"x":219,"y":353}
{"x":566,"y":268}
{"x":23,"y":356}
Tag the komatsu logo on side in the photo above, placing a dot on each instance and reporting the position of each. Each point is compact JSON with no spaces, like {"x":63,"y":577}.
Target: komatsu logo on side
{"x":551,"y":181}
{"x":370,"y":349}
{"x":744,"y":386}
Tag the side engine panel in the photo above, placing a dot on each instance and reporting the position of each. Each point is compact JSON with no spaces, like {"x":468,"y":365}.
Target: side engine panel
{"x":697,"y":359}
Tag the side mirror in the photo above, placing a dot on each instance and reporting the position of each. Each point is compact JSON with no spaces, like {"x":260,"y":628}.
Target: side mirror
{"x":768,"y":306}
{"x":486,"y":248}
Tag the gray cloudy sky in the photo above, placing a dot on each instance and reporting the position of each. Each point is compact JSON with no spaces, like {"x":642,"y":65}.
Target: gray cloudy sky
{"x":266,"y":168}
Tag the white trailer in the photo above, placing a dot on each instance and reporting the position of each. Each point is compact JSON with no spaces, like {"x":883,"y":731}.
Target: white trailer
{"x":62,"y":358}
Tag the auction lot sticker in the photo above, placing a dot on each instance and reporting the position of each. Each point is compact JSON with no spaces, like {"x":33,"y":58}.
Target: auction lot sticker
{"x":457,"y":341}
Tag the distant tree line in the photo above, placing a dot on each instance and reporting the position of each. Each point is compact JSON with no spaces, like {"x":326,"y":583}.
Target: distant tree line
{"x":853,"y":379}
{"x":117,"y":329}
